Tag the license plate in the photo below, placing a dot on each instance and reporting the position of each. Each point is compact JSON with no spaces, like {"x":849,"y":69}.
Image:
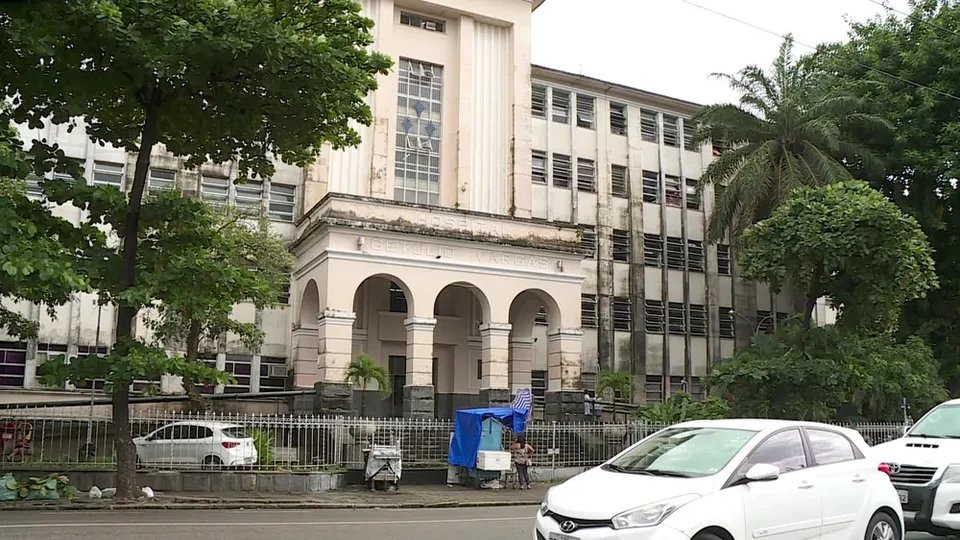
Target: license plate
{"x":558,"y":536}
{"x":904,"y":496}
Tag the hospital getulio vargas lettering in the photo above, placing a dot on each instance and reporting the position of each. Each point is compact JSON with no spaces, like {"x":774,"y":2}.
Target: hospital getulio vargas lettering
{"x":461,"y":224}
{"x":479,"y":256}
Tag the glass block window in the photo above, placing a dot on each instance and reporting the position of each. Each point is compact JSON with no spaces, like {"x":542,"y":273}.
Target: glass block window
{"x":419,"y":105}
{"x":108,"y":174}
{"x":162,"y":180}
{"x":283,"y":200}
{"x":214,"y":189}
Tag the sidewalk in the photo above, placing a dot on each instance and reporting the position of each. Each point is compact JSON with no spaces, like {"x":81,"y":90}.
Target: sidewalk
{"x":347,"y":498}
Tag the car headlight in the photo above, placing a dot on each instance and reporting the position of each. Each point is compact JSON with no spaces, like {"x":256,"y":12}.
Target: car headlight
{"x":546,"y":500}
{"x":651,"y":514}
{"x":951,"y":475}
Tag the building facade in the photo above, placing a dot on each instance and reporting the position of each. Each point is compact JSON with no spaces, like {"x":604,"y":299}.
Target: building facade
{"x":501,"y":226}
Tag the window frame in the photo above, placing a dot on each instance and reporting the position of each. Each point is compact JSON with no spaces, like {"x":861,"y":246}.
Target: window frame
{"x":557,"y":170}
{"x":278,"y":190}
{"x":672,"y":191}
{"x":699,"y":325}
{"x":724,"y":262}
{"x":586,"y":112}
{"x":588,"y":241}
{"x":617,"y":306}
{"x":651,"y":179}
{"x":538,"y":175}
{"x":695,"y":256}
{"x":854,"y":451}
{"x":538,"y":101}
{"x":646,"y":117}
{"x":589,"y":317}
{"x":618,"y":111}
{"x":671,"y":132}
{"x":693,"y":201}
{"x":586,"y":175}
{"x":620,"y":238}
{"x":735,"y":475}
{"x":619,"y":181}
{"x":653,"y":244}
{"x":560,"y":113}
{"x":653,"y":308}
{"x":727,"y":320}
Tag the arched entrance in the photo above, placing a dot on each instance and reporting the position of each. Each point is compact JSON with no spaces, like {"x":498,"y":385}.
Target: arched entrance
{"x":461,"y":311}
{"x":304,"y":337}
{"x":382,"y":304}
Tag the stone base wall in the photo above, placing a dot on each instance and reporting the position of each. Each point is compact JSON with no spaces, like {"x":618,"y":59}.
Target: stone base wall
{"x":207,"y":481}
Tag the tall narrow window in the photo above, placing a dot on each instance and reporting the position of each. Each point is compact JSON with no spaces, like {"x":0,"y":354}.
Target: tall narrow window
{"x":561,"y":106}
{"x":653,"y":316}
{"x":33,"y":186}
{"x":398,"y":301}
{"x":283,"y":200}
{"x":562,"y":171}
{"x":689,"y":130}
{"x":161,"y":179}
{"x":588,"y":310}
{"x":648,"y":126}
{"x":538,"y":101}
{"x":621,"y":313}
{"x":723,"y":259}
{"x":538,"y":170}
{"x":419,"y":107}
{"x":676,"y":318}
{"x":586,"y":175}
{"x":651,"y":187}
{"x":676,"y":259}
{"x":695,"y":255}
{"x":671,"y":190}
{"x":588,"y":242}
{"x":585,"y":111}
{"x":698,"y":320}
{"x":621,"y":245}
{"x":726,"y":322}
{"x":670,"y":131}
{"x":693,"y":198}
{"x":618,"y":181}
{"x":618,"y":119}
{"x":249,"y":197}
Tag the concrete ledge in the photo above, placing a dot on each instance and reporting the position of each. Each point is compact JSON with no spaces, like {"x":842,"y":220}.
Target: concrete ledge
{"x":207,"y":504}
{"x":207,"y":481}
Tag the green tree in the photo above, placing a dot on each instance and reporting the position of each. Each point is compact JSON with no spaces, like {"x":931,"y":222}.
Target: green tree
{"x":620,"y":383}
{"x":681,"y":407}
{"x":848,"y":242}
{"x":38,"y":250}
{"x":362,"y":371}
{"x":905,"y":68}
{"x":789,"y":130}
{"x":210,"y":80}
{"x":828,"y":374}
{"x":207,"y":260}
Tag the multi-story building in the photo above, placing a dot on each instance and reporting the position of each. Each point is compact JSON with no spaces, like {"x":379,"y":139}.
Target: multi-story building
{"x":501,"y":226}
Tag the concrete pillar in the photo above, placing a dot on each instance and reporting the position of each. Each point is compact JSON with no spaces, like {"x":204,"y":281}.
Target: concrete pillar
{"x":304,"y":346}
{"x":521,"y":363}
{"x":255,"y":373}
{"x":495,"y":365}
{"x":418,"y":393}
{"x":564,"y":400}
{"x":334,"y":395}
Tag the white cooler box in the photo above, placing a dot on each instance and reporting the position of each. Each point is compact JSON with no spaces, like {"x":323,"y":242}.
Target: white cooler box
{"x":490,"y":460}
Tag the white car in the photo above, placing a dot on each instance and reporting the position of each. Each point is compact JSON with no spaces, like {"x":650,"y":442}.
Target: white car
{"x":207,"y":444}
{"x":726,"y":480}
{"x":925,"y":469}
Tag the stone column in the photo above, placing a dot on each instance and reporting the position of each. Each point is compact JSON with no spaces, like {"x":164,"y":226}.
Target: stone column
{"x":495,"y":365}
{"x":304,"y":350}
{"x":418,"y":393}
{"x":564,"y":401}
{"x":521,"y":363}
{"x":334,"y":395}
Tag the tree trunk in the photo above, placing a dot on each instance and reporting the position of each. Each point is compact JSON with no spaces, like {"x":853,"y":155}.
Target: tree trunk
{"x":813,"y":293}
{"x":123,"y":444}
{"x":193,"y":351}
{"x":363,"y":398}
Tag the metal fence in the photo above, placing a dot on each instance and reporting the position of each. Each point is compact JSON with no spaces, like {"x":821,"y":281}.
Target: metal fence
{"x":64,"y":439}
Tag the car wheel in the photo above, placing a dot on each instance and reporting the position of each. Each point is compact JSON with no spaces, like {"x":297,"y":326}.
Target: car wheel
{"x":212,"y":462}
{"x":882,"y":527}
{"x":703,"y":535}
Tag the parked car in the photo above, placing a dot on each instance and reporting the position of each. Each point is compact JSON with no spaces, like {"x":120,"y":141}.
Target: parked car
{"x":207,"y":444}
{"x":925,"y":469}
{"x":730,"y":479}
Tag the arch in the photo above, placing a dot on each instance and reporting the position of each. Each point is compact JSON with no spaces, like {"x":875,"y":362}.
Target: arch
{"x":309,"y":304}
{"x":524,"y":308}
{"x":407,"y":294}
{"x":477,"y":293}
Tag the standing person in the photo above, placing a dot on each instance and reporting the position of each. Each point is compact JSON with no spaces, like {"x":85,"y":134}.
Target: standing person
{"x":521,"y":459}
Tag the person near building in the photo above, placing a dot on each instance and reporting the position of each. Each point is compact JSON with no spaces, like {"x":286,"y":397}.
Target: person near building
{"x":521,"y":460}
{"x":22,"y":443}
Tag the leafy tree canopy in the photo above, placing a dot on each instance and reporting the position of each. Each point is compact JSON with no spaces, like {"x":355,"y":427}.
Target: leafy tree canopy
{"x":848,"y":242}
{"x":828,"y":374}
{"x":789,"y":130}
{"x":681,"y":407}
{"x":905,"y":52}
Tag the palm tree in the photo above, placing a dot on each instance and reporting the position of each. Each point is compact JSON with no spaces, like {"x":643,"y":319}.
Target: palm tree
{"x":363,"y":370}
{"x":789,"y":130}
{"x":620,"y":382}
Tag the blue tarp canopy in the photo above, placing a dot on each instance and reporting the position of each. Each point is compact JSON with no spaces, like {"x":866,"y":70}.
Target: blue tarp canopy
{"x":468,"y":426}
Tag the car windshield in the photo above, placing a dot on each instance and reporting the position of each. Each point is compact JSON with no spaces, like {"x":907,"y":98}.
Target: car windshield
{"x":942,"y":422}
{"x":687,"y":452}
{"x":235,"y":433}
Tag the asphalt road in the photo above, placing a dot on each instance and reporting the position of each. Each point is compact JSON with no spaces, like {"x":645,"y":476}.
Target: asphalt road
{"x":508,"y":523}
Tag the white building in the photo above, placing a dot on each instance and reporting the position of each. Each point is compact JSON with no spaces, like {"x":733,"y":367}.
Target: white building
{"x":501,"y":226}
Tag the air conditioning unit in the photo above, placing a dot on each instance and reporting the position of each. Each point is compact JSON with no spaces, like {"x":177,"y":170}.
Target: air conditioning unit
{"x":277,"y":371}
{"x":430,"y":25}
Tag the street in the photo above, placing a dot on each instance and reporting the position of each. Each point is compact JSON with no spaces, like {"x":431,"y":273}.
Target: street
{"x":506,"y":523}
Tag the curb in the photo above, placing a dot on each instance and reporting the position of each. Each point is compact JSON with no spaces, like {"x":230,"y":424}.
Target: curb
{"x":195,"y":504}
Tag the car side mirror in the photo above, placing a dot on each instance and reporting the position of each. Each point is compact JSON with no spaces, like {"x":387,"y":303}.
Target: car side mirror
{"x":763,"y":472}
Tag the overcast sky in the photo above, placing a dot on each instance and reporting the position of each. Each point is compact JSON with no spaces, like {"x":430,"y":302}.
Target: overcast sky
{"x":671,"y":47}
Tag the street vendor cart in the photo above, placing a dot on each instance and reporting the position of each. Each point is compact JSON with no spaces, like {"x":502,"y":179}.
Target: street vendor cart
{"x":477,"y":444}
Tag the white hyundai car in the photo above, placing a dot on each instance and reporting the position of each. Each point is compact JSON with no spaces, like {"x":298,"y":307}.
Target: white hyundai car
{"x":730,"y":480}
{"x":206,"y":444}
